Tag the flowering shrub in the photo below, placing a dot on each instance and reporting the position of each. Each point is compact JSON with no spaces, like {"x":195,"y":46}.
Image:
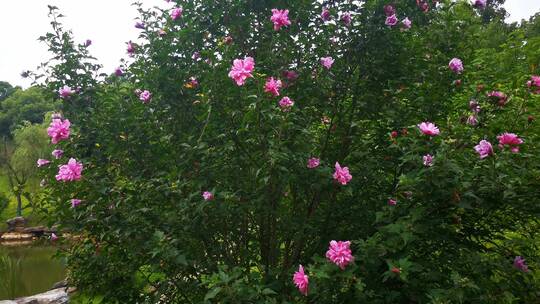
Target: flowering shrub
{"x":220,"y":191}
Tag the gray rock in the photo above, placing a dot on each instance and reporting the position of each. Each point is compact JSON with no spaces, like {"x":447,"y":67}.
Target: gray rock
{"x":55,"y":296}
{"x":16,"y":224}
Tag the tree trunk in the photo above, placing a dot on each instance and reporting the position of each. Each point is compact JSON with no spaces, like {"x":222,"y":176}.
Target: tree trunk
{"x":19,"y":204}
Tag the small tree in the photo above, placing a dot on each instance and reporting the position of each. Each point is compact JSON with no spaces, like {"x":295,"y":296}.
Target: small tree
{"x":30,"y":144}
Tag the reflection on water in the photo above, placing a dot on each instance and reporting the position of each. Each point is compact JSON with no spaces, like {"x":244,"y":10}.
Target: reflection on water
{"x":28,"y":270}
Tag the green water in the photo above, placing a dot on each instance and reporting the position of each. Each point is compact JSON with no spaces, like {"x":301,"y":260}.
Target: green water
{"x":28,"y":270}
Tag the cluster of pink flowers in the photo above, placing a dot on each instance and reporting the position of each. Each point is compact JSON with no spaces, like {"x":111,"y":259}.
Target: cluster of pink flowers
{"x":510,"y":140}
{"x":392,"y":19}
{"x":342,"y":175}
{"x":499,"y":97}
{"x":456,"y":65}
{"x":58,"y":130}
{"x":534,"y":84}
{"x":70,"y":171}
{"x":339,"y":253}
{"x":280,"y":18}
{"x":241,"y":70}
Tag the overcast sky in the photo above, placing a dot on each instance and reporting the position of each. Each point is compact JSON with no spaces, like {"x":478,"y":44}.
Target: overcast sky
{"x":108,"y":23}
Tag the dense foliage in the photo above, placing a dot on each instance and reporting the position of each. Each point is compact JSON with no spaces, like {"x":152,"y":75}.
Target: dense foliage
{"x":188,"y":186}
{"x":22,"y":106}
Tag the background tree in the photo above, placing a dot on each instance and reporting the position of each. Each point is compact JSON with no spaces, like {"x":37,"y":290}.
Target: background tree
{"x":5,"y":90}
{"x":28,"y":105}
{"x":30,"y":143}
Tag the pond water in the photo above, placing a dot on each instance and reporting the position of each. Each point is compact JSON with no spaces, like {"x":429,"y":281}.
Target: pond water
{"x":28,"y":270}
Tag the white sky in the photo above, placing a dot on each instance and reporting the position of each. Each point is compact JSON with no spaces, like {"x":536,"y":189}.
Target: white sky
{"x":108,"y":23}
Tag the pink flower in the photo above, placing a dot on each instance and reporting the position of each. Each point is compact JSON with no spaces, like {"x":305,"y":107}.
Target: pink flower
{"x":346,"y":18}
{"x":422,"y":5}
{"x":406,"y":23}
{"x":75,"y":202}
{"x":389,"y":10}
{"x":484,"y":149}
{"x":456,"y":65}
{"x":58,"y":130}
{"x":519,"y":263}
{"x":428,"y":160}
{"x":118,"y":72}
{"x":53,"y":237}
{"x":130,"y":48}
{"x":145,"y":96}
{"x":534,"y":84}
{"x":280,"y":18}
{"x":162,"y":32}
{"x":429,"y":128}
{"x":241,"y":70}
{"x":70,"y":171}
{"x":391,"y":20}
{"x":301,"y":280}
{"x":392,"y":202}
{"x":327,"y":62}
{"x":342,"y":175}
{"x":286,"y":103}
{"x":57,"y":153}
{"x":65,"y":92}
{"x":176,"y":13}
{"x":207,"y":196}
{"x":313,"y":162}
{"x":511,"y":140}
{"x":139,"y":25}
{"x":472,"y":120}
{"x":272,"y":86}
{"x":480,"y":3}
{"x":325,"y":14}
{"x":499,"y":97}
{"x":42,"y":162}
{"x":290,"y":75}
{"x":340,"y":254}
{"x":474,"y":106}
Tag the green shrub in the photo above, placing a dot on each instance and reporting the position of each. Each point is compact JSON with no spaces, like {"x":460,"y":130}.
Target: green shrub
{"x":451,"y":233}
